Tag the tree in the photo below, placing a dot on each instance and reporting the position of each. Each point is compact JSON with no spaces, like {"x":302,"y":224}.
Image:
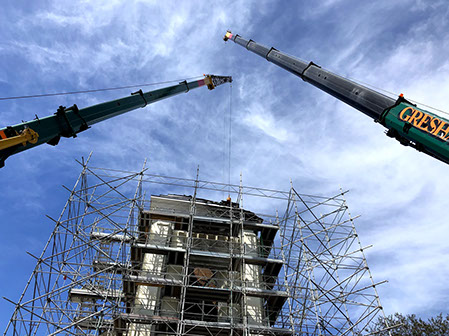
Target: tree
{"x":410,"y":325}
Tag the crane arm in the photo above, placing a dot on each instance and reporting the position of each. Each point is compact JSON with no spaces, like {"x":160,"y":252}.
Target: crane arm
{"x":411,"y":126}
{"x":68,"y":122}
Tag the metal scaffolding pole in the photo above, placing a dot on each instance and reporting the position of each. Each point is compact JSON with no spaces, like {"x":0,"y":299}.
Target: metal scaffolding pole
{"x":185,"y":281}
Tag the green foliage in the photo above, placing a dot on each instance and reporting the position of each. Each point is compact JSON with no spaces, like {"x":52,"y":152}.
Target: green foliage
{"x":410,"y":325}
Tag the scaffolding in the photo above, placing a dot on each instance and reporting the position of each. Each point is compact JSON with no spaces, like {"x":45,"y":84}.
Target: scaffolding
{"x":179,"y":263}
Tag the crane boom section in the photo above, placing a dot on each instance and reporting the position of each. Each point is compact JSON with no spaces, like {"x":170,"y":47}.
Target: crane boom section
{"x":413,"y":127}
{"x":370,"y":102}
{"x":68,"y":122}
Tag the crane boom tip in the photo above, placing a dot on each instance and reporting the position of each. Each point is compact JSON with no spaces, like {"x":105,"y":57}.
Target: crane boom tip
{"x":227,"y":36}
{"x":213,"y":81}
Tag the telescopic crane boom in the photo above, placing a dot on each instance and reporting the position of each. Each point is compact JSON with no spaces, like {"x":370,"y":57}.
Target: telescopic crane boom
{"x":68,"y":122}
{"x":411,"y":126}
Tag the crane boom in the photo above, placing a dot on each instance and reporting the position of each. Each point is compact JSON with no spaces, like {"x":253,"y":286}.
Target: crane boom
{"x":411,"y":126}
{"x":68,"y":122}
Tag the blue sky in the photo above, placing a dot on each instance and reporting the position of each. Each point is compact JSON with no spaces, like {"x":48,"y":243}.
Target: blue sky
{"x":282,"y":128}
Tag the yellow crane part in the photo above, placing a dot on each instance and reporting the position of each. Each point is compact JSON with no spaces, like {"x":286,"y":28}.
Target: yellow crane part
{"x":25,"y":136}
{"x":213,"y":81}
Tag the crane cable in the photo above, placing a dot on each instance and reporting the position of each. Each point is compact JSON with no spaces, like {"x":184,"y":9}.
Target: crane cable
{"x":227,"y":146}
{"x":391,"y":94}
{"x":230,"y":140}
{"x":98,"y":90}
{"x":394,"y":95}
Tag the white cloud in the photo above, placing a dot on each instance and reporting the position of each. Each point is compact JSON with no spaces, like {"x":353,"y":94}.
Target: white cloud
{"x":258,"y":117}
{"x":282,"y":127}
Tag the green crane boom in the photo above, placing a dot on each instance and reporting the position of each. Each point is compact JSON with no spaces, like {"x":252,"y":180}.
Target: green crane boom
{"x":68,"y":122}
{"x":410,"y":125}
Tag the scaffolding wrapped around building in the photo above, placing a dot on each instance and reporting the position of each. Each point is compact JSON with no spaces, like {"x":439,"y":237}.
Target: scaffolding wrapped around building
{"x":179,"y":263}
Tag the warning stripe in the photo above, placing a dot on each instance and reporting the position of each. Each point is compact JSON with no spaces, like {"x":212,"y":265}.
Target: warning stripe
{"x":3,"y":135}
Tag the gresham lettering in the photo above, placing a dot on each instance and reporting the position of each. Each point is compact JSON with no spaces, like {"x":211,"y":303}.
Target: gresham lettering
{"x":425,"y":122}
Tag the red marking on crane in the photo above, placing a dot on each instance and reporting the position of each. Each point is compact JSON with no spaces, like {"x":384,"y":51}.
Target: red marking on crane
{"x":201,"y":82}
{"x":3,"y":135}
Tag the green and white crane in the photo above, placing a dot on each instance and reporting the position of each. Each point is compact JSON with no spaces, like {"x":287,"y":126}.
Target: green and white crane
{"x":68,"y":122}
{"x":405,"y":122}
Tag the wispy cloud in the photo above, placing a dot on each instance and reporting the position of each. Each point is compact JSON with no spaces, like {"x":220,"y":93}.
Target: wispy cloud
{"x":282,"y":128}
